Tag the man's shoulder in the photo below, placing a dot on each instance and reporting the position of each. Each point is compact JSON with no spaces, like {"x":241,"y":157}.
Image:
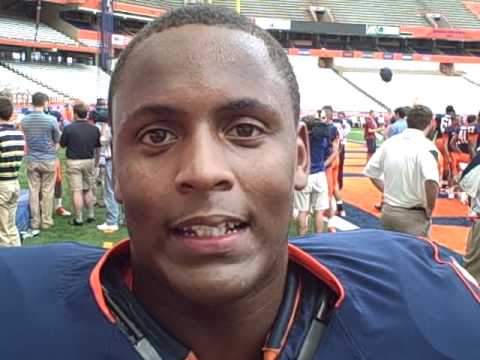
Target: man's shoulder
{"x":363,"y":258}
{"x":30,"y":264}
{"x":38,"y":116}
{"x":399,"y":285}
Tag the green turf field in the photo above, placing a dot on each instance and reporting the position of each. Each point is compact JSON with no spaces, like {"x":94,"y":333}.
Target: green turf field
{"x":63,"y":231}
{"x":356,"y":135}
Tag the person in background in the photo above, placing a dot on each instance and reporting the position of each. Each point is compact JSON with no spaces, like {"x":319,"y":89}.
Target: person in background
{"x":442,"y":123}
{"x":82,"y":141}
{"x":12,"y":145}
{"x":470,"y":183}
{"x":408,"y":163}
{"x":448,"y":135}
{"x":314,"y":197}
{"x":333,"y":167}
{"x":400,"y":123}
{"x":344,"y":128}
{"x":99,"y":117}
{"x":371,"y":129}
{"x":113,"y":208}
{"x":42,"y":135}
{"x":463,"y":143}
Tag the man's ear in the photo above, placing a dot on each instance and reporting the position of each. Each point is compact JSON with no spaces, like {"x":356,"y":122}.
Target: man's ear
{"x":303,"y":157}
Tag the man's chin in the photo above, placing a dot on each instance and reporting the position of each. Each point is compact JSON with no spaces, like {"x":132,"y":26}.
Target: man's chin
{"x":217,"y":284}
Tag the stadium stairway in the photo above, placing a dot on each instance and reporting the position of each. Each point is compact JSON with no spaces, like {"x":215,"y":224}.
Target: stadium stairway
{"x":466,"y":77}
{"x":29,"y":78}
{"x":79,"y":81}
{"x":351,"y":83}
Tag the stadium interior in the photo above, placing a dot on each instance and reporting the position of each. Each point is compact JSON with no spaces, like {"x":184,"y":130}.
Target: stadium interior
{"x":429,"y":48}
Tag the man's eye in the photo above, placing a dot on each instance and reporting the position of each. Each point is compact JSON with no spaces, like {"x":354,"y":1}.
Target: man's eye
{"x":158,"y":137}
{"x":245,"y":131}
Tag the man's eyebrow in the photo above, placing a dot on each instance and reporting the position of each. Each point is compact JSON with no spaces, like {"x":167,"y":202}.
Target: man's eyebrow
{"x":246,"y":104}
{"x":152,"y":109}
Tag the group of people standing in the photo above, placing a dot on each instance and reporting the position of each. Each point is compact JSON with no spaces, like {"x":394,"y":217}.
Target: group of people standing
{"x":38,"y":137}
{"x":420,"y":159}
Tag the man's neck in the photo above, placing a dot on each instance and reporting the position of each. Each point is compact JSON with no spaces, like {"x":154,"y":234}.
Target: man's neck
{"x":236,"y":330}
{"x":38,"y":109}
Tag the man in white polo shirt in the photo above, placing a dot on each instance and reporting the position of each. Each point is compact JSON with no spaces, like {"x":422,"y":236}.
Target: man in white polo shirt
{"x":408,"y":163}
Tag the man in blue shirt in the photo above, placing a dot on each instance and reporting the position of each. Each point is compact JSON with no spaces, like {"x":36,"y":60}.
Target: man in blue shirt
{"x":42,"y":136}
{"x":400,"y":123}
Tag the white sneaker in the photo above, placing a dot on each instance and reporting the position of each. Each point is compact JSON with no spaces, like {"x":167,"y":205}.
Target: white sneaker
{"x":107,"y":228}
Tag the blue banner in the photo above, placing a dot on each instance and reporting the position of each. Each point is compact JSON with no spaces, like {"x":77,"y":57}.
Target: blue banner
{"x":106,"y":48}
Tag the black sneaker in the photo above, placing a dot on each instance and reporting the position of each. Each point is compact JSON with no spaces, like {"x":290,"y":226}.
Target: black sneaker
{"x":75,"y":222}
{"x":90,"y":220}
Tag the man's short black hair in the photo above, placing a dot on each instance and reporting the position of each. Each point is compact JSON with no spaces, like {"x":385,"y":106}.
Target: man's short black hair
{"x":39,"y":99}
{"x":419,"y":117}
{"x":81,"y":110}
{"x":400,"y":112}
{"x":309,"y":120}
{"x":471,"y":119}
{"x":211,"y":16}
{"x":6,"y":108}
{"x":101,"y":102}
{"x":449,"y":109}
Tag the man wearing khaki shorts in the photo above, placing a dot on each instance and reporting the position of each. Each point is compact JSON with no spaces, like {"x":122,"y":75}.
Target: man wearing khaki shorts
{"x":82,"y":141}
{"x":314,"y":197}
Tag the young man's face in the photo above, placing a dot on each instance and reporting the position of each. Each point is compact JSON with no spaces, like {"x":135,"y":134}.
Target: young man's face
{"x":207,"y":156}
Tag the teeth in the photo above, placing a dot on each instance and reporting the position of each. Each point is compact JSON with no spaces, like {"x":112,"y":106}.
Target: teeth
{"x":219,"y":230}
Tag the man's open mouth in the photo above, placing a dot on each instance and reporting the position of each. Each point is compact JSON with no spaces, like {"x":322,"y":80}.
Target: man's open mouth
{"x":209,"y":231}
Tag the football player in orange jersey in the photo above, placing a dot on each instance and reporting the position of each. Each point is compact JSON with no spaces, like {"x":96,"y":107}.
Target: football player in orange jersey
{"x":463,"y":143}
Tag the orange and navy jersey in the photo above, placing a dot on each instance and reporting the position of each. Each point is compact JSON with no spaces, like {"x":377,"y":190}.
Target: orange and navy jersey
{"x":54,"y":297}
{"x":448,"y":134}
{"x":442,"y":123}
{"x":467,"y":135}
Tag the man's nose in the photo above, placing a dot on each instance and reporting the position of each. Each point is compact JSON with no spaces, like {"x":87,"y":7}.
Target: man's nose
{"x":204,"y":166}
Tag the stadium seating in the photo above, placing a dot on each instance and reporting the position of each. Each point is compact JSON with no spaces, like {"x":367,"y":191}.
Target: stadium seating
{"x":376,"y":12}
{"x":24,"y":29}
{"x":456,"y":13}
{"x":285,"y":9}
{"x":319,"y":87}
{"x":84,"y":82}
{"x":19,"y":84}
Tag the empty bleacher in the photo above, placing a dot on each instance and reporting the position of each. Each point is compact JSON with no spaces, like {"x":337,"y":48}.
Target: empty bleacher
{"x":285,"y":9}
{"x":24,"y":29}
{"x":319,"y":87}
{"x":412,"y":83}
{"x":83,"y":82}
{"x":15,"y":83}
{"x":458,"y":16}
{"x":376,"y":12}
